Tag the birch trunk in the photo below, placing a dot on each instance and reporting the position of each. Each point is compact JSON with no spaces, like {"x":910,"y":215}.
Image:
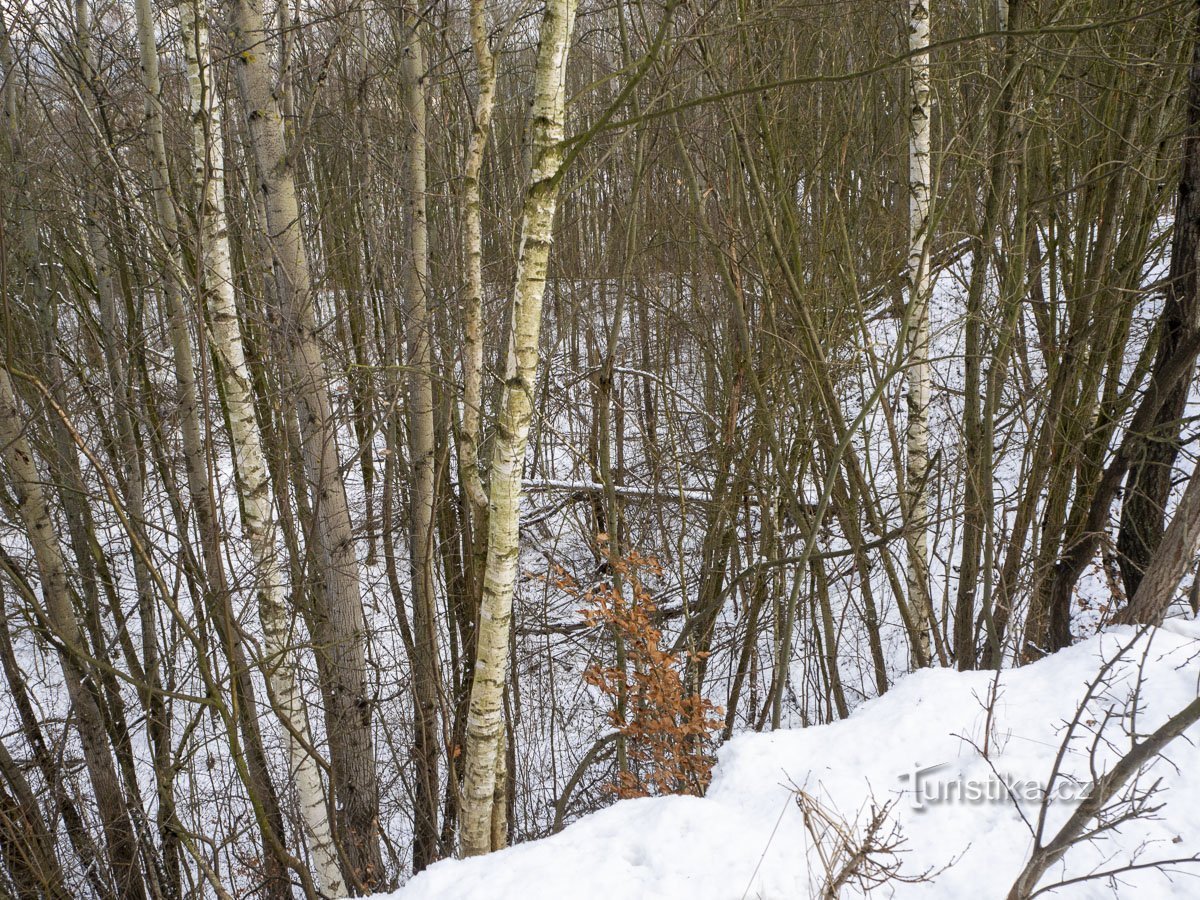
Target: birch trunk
{"x":468,"y":452}
{"x":475,"y":503}
{"x":217,"y":595}
{"x":280,"y":663}
{"x":338,"y":626}
{"x":485,"y":719}
{"x":916,"y":492}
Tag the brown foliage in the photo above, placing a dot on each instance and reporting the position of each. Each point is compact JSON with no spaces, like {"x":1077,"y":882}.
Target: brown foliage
{"x":667,"y":731}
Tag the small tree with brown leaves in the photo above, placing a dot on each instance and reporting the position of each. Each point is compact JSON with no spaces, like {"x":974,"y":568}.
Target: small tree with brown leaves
{"x":668,"y":732}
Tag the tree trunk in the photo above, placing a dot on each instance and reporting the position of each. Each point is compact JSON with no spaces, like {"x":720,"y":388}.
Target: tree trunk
{"x":256,"y":505}
{"x":1174,"y":556}
{"x":917,"y":373}
{"x":1149,"y":484}
{"x":215,"y":583}
{"x":472,"y":403}
{"x":485,"y":719}
{"x":338,"y":626}
{"x":123,"y":854}
{"x":418,"y":334}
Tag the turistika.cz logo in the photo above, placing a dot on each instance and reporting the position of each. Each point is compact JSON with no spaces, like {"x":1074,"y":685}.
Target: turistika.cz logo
{"x":934,"y":785}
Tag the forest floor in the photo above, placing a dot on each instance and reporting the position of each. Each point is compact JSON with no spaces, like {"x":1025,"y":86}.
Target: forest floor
{"x":949,"y":767}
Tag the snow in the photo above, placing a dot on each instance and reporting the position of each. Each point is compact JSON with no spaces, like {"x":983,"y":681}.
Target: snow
{"x":747,"y":837}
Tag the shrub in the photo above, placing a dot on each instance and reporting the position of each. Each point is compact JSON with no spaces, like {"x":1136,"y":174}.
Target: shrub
{"x":668,"y":732}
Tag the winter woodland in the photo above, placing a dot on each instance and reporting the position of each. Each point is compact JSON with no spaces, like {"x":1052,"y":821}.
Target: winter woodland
{"x":488,"y":447}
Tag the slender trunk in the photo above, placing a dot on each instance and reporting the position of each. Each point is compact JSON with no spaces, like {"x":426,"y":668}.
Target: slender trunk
{"x":71,"y":492}
{"x":215,"y":586}
{"x":471,"y":430}
{"x":338,"y":626}
{"x":485,"y":719}
{"x":26,"y":842}
{"x":917,"y":374}
{"x":258,"y":521}
{"x":419,"y":338}
{"x":468,"y":453}
{"x":978,"y":501}
{"x":123,"y":854}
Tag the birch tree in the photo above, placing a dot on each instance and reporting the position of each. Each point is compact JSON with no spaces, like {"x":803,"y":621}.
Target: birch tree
{"x":339,"y":629}
{"x":917,"y":373}
{"x":470,"y":431}
{"x":472,"y":352}
{"x":187,"y":348}
{"x":217,"y":593}
{"x":280,"y":662}
{"x":485,"y":721}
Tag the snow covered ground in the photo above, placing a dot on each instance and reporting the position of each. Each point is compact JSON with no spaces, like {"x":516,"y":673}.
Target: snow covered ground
{"x":919,"y":748}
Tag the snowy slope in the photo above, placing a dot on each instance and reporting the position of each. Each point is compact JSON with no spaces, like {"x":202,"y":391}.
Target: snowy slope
{"x":747,"y":837}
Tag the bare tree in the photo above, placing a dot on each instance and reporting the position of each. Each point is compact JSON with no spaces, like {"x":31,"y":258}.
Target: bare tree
{"x":917,"y":373}
{"x":257,"y":508}
{"x":338,"y":621}
{"x":485,"y":720}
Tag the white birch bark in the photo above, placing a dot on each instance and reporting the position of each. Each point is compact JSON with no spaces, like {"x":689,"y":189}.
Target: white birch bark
{"x":917,"y":373}
{"x":338,"y":623}
{"x":258,"y":523}
{"x":215,"y":580}
{"x":485,"y":716}
{"x":472,"y":359}
{"x":468,"y":458}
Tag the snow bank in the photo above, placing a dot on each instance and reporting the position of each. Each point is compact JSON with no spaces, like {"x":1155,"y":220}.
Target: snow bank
{"x":747,"y":837}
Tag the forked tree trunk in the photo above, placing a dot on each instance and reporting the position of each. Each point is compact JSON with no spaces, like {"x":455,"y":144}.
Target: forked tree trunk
{"x":485,"y":720}
{"x":338,"y":625}
{"x":257,"y":509}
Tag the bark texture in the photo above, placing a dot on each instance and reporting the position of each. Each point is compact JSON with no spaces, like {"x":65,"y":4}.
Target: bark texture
{"x":1174,"y":556}
{"x":418,"y":333}
{"x":67,"y":633}
{"x":338,"y":626}
{"x":485,"y":720}
{"x":257,"y":509}
{"x":917,"y":374}
{"x":1149,"y":484}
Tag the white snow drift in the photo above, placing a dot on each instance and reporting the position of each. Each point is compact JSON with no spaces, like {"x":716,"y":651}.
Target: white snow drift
{"x":963,"y":835}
